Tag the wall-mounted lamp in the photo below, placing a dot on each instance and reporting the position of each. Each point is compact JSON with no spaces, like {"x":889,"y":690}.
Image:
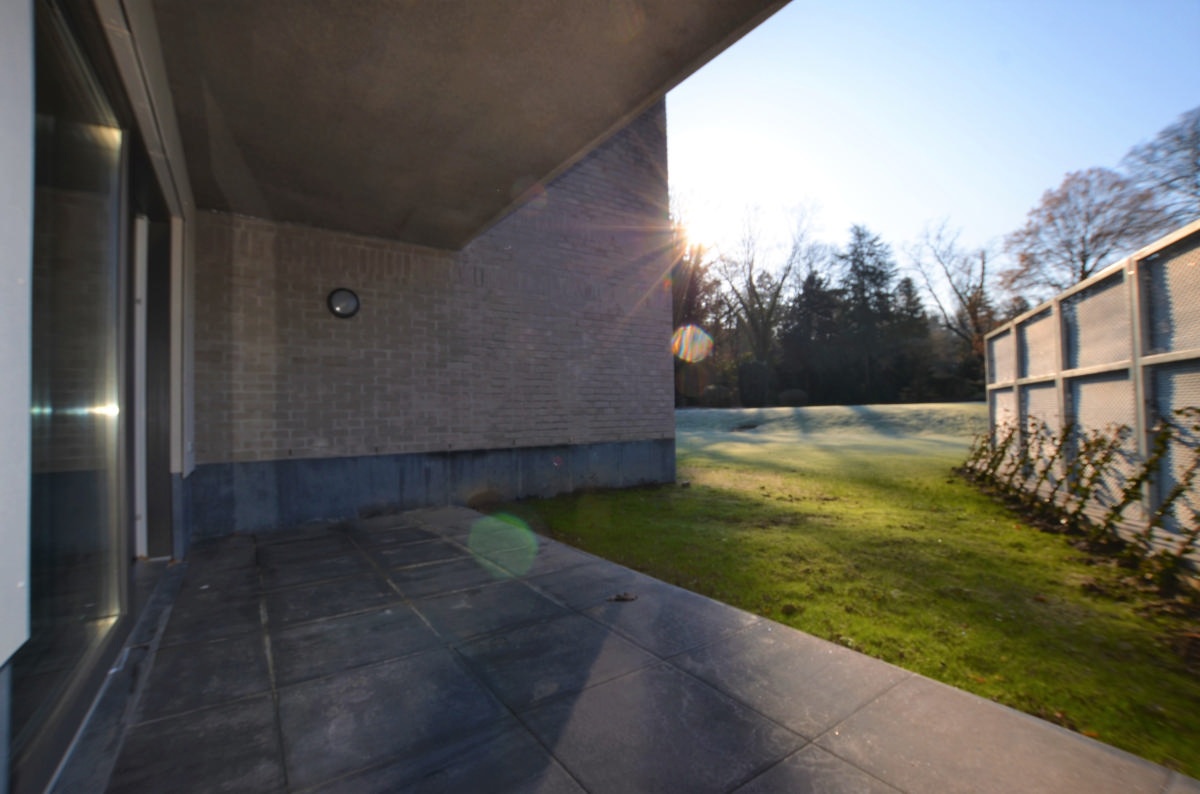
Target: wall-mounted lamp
{"x":343,"y":303}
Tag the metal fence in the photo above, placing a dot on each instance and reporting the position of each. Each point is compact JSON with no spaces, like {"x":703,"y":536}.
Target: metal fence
{"x":1119,"y":350}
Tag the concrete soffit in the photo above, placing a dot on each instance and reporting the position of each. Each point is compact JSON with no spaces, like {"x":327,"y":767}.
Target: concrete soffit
{"x":132,"y":36}
{"x":424,"y":122}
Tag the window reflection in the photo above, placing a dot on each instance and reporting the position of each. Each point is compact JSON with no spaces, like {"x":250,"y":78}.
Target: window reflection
{"x":76,"y":550}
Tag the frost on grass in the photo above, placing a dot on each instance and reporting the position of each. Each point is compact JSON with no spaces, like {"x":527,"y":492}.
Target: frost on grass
{"x":861,"y":426}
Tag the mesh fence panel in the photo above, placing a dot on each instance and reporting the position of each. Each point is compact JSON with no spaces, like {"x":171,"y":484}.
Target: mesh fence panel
{"x":1003,"y":405}
{"x":1094,"y":328}
{"x":1038,"y":345}
{"x":1040,"y":424}
{"x":1097,"y":324}
{"x":1002,"y":358}
{"x":1103,"y":404}
{"x":1039,"y":403}
{"x":1178,"y":386}
{"x":1171,"y":280}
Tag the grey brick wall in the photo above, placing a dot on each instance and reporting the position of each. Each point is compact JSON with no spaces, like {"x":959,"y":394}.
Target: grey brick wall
{"x":553,"y":327}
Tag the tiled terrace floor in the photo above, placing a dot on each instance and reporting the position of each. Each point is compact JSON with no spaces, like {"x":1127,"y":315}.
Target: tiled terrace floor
{"x":434,"y":652}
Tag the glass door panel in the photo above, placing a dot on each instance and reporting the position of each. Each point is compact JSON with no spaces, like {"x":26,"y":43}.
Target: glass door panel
{"x":77,"y":545}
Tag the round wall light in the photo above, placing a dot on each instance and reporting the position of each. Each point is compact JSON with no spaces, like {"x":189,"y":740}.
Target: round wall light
{"x":343,"y":303}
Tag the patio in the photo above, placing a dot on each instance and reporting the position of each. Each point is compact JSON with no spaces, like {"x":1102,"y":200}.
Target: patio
{"x":439,"y":650}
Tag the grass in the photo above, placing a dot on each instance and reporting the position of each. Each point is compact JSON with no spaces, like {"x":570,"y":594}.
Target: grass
{"x":847,"y":523}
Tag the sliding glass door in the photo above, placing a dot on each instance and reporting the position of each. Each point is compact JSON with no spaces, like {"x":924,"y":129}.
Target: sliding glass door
{"x":79,"y":559}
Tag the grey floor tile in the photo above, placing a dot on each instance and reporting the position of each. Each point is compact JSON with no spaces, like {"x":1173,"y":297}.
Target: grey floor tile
{"x":290,"y":573}
{"x":799,"y":681}
{"x":487,"y":535}
{"x":402,"y":556}
{"x":203,"y":616}
{"x":667,"y":620}
{"x":233,"y":748}
{"x":330,"y":646}
{"x":347,"y":722}
{"x":444,"y":577}
{"x":658,"y":730}
{"x":925,"y":736}
{"x":379,"y":523}
{"x":451,"y":521}
{"x":229,"y":552}
{"x":544,"y":557}
{"x":467,"y":613}
{"x":592,"y":583}
{"x":327,"y":599}
{"x":815,"y":771}
{"x":502,"y":758}
{"x":287,"y":535}
{"x":327,"y":544}
{"x":390,"y":536}
{"x":198,"y":675}
{"x":201,"y":579}
{"x":550,"y":658}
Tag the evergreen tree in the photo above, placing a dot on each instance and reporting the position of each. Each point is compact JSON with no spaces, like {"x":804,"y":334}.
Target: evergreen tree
{"x":868,"y":271}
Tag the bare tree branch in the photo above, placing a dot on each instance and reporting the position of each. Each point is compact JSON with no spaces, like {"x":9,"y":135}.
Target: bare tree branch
{"x":1169,"y":167}
{"x":1092,"y":218}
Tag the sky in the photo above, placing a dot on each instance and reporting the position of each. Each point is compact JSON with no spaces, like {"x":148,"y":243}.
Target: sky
{"x":899,"y":115}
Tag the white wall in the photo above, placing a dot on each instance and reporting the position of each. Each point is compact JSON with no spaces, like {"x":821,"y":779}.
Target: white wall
{"x":16,"y":231}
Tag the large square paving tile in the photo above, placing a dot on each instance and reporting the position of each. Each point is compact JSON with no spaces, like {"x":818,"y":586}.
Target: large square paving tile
{"x":419,"y":553}
{"x":815,"y":771}
{"x":667,"y":620}
{"x":802,"y":682}
{"x":500,"y":758}
{"x":309,"y":570}
{"x":658,"y":730}
{"x":328,"y":646}
{"x":592,"y":583}
{"x":362,"y":718}
{"x":444,"y":577}
{"x":232,"y":748}
{"x":198,"y":616}
{"x":540,"y":557}
{"x":925,"y":736}
{"x":482,"y":610}
{"x":391,"y":535}
{"x":192,"y":676}
{"x":327,"y":599}
{"x":554,"y":657}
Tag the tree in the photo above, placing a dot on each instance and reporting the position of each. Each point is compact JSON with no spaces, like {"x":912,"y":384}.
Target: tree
{"x":909,"y":346}
{"x":811,"y":350}
{"x":867,"y":275}
{"x":1093,"y":217}
{"x":1169,"y":167}
{"x":957,"y":280}
{"x":757,"y":292}
{"x":695,"y":292}
{"x":696,"y":300}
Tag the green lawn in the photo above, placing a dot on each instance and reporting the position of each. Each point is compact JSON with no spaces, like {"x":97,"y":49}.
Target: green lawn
{"x":848,"y":524}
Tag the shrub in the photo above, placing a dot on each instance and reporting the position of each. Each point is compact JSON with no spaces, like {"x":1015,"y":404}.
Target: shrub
{"x":1059,"y":478}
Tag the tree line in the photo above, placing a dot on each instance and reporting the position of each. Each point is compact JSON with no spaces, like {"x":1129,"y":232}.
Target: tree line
{"x":847,"y":325}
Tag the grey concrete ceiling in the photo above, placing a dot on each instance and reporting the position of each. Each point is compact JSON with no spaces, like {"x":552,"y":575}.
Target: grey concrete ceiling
{"x":417,"y":120}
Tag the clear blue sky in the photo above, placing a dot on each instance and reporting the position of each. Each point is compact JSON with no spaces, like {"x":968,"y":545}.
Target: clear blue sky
{"x":895,"y":115}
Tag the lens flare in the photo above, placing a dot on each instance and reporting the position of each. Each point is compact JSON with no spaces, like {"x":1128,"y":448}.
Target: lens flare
{"x":691,"y":344}
{"x":506,"y":541}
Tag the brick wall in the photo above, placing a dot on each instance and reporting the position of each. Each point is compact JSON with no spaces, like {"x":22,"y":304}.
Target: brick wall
{"x":551,"y":328}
